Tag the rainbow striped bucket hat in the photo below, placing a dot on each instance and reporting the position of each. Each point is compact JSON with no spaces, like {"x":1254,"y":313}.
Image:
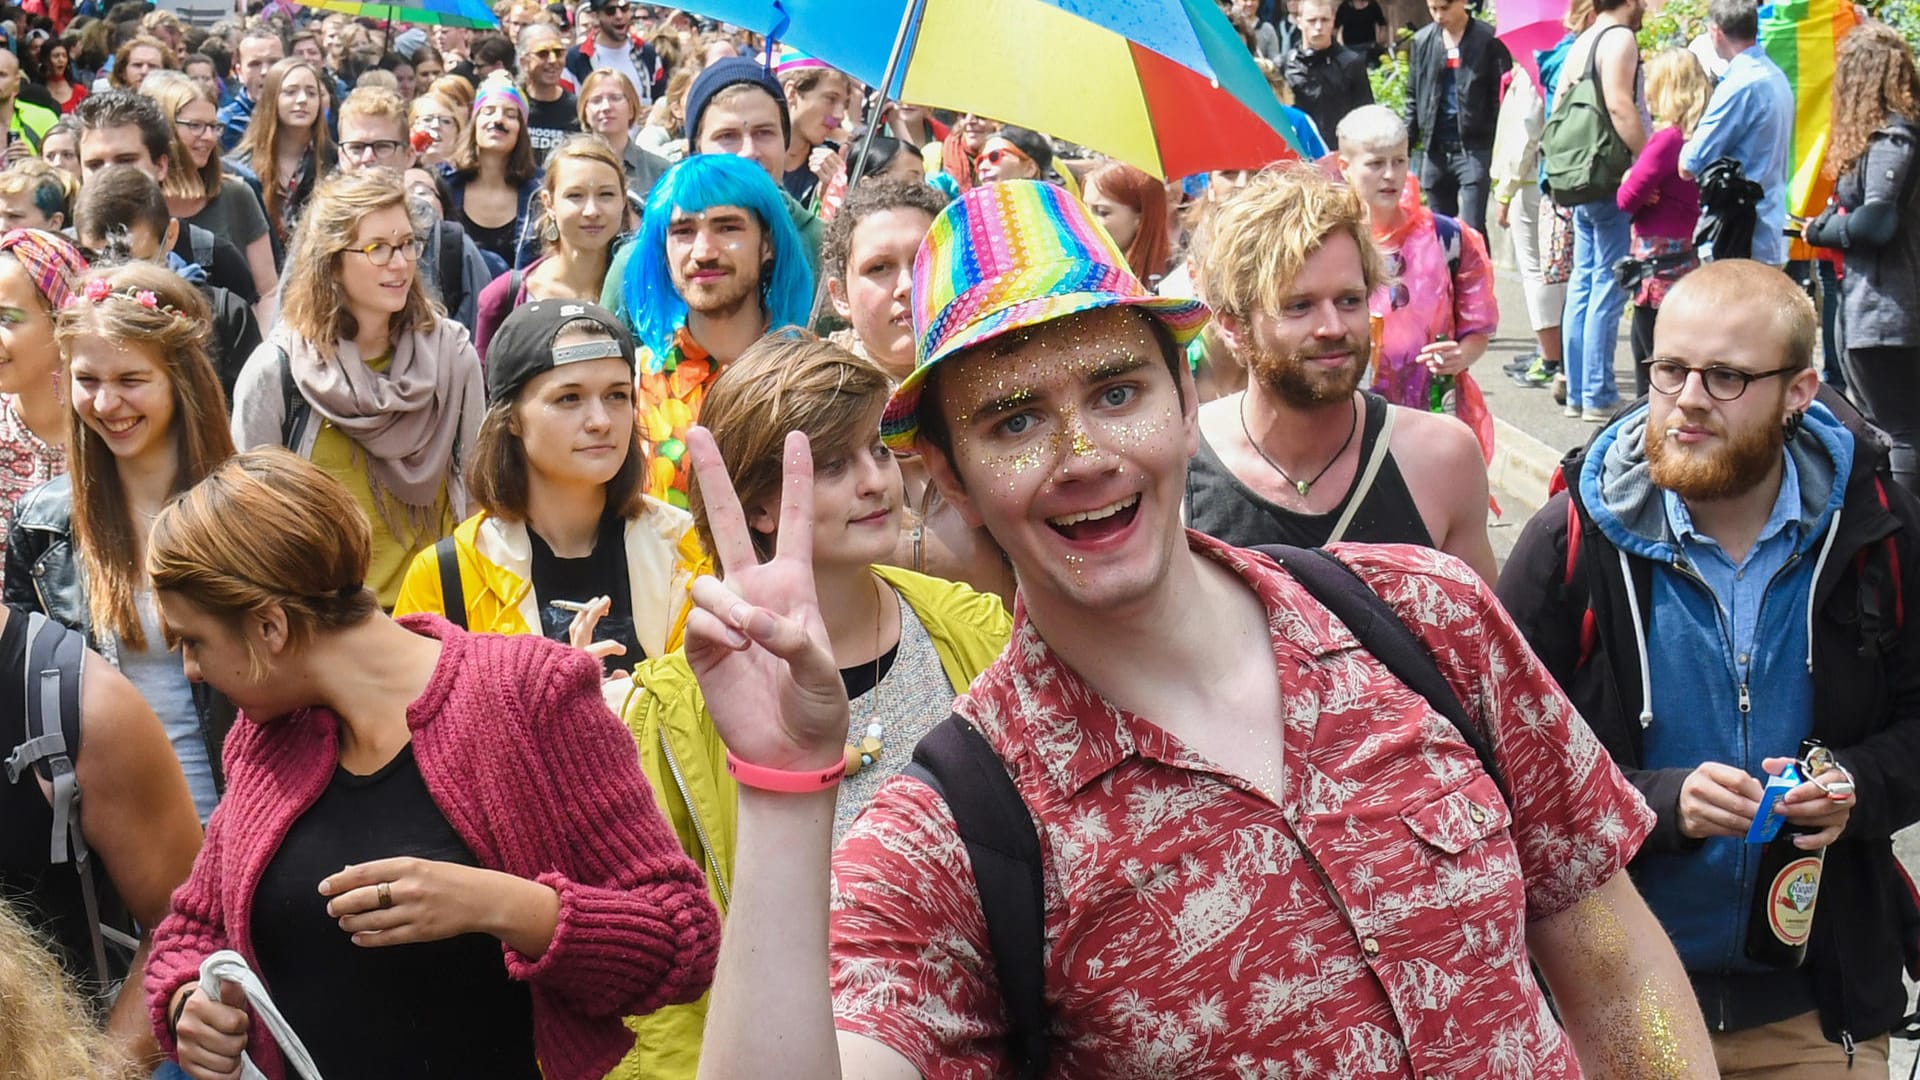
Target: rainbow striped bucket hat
{"x":1006,"y":256}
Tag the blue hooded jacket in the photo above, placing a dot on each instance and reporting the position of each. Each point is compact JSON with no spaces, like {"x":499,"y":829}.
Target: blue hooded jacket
{"x":1691,"y":678}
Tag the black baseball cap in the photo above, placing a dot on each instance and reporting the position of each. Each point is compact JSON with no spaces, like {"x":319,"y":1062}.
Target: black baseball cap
{"x":523,"y":346}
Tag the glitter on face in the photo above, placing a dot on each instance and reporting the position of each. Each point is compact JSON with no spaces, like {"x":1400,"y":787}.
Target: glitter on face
{"x":1008,"y":389}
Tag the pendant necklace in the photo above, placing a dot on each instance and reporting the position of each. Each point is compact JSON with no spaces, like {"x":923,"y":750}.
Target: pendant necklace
{"x":1301,"y":486}
{"x":865,"y":750}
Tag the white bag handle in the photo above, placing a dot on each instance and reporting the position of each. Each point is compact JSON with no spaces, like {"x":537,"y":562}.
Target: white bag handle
{"x":228,"y":966}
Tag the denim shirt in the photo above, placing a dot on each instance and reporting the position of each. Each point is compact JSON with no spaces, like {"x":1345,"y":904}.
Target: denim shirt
{"x":1750,"y":119}
{"x":1739,"y":587}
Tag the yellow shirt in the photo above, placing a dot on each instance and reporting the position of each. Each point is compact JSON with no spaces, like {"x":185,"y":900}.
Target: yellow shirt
{"x":335,"y":452}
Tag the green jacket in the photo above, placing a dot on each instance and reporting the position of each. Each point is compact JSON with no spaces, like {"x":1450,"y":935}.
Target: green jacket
{"x":686,"y":762}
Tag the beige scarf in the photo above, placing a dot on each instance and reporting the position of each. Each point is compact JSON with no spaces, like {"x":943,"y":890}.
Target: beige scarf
{"x":410,"y":420}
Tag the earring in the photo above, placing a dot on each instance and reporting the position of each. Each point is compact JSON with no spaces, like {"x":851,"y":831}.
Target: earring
{"x":551,"y":234}
{"x":1791,"y":425}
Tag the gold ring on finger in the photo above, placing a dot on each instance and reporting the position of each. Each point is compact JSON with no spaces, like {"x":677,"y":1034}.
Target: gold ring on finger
{"x":385,"y":890}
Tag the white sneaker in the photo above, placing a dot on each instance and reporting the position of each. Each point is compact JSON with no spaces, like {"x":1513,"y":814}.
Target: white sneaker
{"x":1571,"y":410}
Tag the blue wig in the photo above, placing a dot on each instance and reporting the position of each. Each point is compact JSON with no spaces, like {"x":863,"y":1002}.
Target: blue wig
{"x":702,"y":182}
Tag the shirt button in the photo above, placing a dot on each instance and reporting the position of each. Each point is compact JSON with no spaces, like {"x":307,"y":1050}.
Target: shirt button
{"x":1478,"y":815}
{"x":1370,"y":947}
{"x":1739,"y":575}
{"x":1743,"y":659}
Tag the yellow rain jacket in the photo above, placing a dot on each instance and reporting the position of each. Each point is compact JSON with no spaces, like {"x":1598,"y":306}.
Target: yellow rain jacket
{"x":496,"y":576}
{"x":686,"y":761}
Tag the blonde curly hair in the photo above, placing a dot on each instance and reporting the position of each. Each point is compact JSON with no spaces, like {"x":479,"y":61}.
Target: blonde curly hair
{"x":46,"y":1032}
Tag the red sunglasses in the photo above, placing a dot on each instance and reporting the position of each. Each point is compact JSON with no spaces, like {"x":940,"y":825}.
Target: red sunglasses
{"x":999,"y":155}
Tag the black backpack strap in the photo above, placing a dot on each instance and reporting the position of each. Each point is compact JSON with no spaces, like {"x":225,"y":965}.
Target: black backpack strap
{"x":1382,"y":633}
{"x":452,"y":257}
{"x":56,"y":657}
{"x":294,"y":407}
{"x":1004,"y":848}
{"x":453,"y":597}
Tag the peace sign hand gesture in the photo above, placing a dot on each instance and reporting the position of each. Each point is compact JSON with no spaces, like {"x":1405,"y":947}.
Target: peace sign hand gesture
{"x":755,"y":640}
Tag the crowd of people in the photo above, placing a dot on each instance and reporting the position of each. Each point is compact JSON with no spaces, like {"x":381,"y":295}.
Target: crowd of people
{"x":599,"y":548}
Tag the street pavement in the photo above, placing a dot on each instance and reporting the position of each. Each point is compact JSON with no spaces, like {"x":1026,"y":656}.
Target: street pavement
{"x":1531,"y":435}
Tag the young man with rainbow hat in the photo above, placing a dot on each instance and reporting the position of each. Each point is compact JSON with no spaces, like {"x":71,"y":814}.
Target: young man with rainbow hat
{"x":1259,"y":852}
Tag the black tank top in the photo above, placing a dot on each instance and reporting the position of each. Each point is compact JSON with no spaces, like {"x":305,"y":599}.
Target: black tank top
{"x":1219,"y":505}
{"x":46,"y":896}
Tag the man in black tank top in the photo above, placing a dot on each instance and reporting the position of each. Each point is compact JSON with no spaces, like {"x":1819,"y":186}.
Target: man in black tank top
{"x":136,"y":815}
{"x":1302,"y":455}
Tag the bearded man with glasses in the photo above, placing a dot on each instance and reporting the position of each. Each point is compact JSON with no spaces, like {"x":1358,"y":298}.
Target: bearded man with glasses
{"x":552,"y":112}
{"x":1724,"y":578}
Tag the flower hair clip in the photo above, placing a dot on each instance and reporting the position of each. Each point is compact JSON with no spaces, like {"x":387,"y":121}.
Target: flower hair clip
{"x":98,"y":291}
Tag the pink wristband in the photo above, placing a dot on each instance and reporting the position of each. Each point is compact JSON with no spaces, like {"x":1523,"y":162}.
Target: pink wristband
{"x":783,"y":781}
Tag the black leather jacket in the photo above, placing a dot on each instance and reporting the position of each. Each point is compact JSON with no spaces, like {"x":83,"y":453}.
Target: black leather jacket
{"x":44,"y":575}
{"x":1327,"y":85}
{"x":1484,"y":61}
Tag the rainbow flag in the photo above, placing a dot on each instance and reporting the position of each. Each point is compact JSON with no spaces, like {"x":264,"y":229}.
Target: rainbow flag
{"x":1803,"y":37}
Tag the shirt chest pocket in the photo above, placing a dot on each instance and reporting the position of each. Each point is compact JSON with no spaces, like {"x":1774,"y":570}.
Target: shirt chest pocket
{"x":1471,"y":869}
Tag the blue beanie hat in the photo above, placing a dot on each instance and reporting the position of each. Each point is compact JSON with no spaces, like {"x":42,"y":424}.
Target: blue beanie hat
{"x":733,"y":71}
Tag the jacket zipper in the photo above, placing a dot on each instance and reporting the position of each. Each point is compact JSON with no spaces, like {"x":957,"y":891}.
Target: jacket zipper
{"x":1743,"y":693}
{"x":699,"y":830}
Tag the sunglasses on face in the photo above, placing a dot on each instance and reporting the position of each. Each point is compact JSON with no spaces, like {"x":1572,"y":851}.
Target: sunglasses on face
{"x":1001,"y":155}
{"x":553,"y":52}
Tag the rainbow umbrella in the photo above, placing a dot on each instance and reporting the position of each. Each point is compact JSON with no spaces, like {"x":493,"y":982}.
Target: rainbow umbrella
{"x":472,"y":14}
{"x":1803,"y":37}
{"x":1164,"y":85}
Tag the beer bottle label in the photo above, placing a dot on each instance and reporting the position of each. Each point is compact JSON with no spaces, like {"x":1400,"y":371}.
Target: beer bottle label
{"x":1791,"y":898}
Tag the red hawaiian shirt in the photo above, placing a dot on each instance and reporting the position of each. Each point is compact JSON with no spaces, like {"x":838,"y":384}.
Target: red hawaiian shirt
{"x":1191,"y":924}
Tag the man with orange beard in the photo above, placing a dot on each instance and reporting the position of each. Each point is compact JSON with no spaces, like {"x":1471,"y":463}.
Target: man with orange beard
{"x":1303,"y":456}
{"x":1723,"y":580}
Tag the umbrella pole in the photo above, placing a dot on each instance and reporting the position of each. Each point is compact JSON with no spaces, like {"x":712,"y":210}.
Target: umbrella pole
{"x":896,"y":59}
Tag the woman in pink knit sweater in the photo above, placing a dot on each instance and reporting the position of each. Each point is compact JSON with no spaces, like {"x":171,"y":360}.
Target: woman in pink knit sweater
{"x":437,"y":849}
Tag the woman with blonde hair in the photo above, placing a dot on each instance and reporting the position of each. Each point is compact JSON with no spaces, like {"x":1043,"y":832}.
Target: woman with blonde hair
{"x":906,"y":644}
{"x":609,"y":108}
{"x":664,"y":132}
{"x":434,"y":125}
{"x":583,"y":209}
{"x":1664,"y":205}
{"x":1872,"y":221}
{"x":566,"y":543}
{"x":146,"y":424}
{"x":493,"y":175}
{"x":199,"y":190}
{"x":46,"y":1031}
{"x":364,"y":376}
{"x":452,"y":863}
{"x":286,"y":143}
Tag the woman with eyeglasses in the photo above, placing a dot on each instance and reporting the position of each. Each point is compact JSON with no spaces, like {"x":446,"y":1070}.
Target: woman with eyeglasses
{"x":609,"y":107}
{"x":434,"y":124}
{"x":583,"y":210}
{"x":199,"y":191}
{"x":1015,"y":153}
{"x":493,"y":174}
{"x":363,"y":377}
{"x":287,"y":144}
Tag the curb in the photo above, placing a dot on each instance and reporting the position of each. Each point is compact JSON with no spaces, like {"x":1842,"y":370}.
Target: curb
{"x":1521,"y":467}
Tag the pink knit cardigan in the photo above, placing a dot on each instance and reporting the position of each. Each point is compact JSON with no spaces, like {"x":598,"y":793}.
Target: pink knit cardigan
{"x":540,"y":780}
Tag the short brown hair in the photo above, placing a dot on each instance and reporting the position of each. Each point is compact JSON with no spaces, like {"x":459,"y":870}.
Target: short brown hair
{"x":497,"y":472}
{"x":1263,"y":236}
{"x":267,"y":527}
{"x":787,"y":381}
